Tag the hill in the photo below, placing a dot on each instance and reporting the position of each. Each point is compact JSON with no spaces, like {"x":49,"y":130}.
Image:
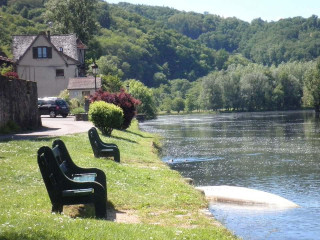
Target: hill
{"x":157,"y":44}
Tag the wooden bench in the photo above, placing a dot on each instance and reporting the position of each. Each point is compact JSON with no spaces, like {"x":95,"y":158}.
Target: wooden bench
{"x":65,"y":191}
{"x":73,"y":171}
{"x":101,"y":149}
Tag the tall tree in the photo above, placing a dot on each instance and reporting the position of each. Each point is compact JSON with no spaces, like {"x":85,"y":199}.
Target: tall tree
{"x":73,"y":16}
{"x":312,"y":83}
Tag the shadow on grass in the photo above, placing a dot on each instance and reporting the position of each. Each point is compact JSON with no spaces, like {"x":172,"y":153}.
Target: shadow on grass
{"x":124,"y":139}
{"x":54,"y":235}
{"x":137,"y":134}
{"x":36,"y":135}
{"x":34,"y":138}
{"x":87,"y":211}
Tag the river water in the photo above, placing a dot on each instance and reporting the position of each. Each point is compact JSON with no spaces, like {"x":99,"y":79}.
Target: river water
{"x":276,"y":152}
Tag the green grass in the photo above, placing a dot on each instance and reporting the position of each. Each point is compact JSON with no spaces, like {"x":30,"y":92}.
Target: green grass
{"x":164,"y":206}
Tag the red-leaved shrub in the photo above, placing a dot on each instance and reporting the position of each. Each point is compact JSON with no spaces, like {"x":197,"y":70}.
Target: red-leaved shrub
{"x":121,"y":99}
{"x":11,"y":75}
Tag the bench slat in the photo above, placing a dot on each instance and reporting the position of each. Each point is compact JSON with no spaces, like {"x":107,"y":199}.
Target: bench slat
{"x":77,"y":192}
{"x":85,"y":178}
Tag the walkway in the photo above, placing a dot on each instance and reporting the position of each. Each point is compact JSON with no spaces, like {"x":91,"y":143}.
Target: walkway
{"x":52,"y":127}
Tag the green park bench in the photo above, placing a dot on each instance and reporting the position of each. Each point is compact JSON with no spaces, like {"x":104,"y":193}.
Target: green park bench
{"x":63,"y":190}
{"x":101,"y":149}
{"x":73,"y":171}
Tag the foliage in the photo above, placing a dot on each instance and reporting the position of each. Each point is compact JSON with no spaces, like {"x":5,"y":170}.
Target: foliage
{"x":6,"y":69}
{"x":312,"y":84}
{"x":106,"y":116}
{"x":122,"y":99}
{"x":74,"y":103}
{"x":64,"y":94}
{"x":77,"y":110}
{"x":11,"y":75}
{"x":251,"y":87}
{"x":73,"y":16}
{"x":111,"y":83}
{"x":139,"y":91}
{"x":178,"y":104}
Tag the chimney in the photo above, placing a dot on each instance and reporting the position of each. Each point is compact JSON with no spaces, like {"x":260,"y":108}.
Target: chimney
{"x":49,"y":36}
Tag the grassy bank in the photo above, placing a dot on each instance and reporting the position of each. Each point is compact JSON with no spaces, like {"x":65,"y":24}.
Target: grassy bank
{"x":146,"y":200}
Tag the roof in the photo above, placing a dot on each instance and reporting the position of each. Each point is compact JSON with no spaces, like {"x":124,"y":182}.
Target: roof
{"x":20,"y":44}
{"x":68,"y":42}
{"x":83,"y":83}
{"x":5,"y":59}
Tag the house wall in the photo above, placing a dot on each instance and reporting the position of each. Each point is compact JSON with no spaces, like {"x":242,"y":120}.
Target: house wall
{"x":77,"y":93}
{"x":43,"y":71}
{"x":19,"y":103}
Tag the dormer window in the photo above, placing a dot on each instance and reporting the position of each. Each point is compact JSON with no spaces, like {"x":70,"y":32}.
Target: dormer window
{"x":42,"y":52}
{"x":60,"y":49}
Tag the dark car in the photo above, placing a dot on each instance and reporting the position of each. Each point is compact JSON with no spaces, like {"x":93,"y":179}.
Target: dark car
{"x":53,"y":107}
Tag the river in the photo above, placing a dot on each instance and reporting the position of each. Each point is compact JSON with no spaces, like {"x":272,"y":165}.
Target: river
{"x":276,"y":152}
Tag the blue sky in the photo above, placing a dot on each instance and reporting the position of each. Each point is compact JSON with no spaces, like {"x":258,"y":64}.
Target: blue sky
{"x":269,"y":10}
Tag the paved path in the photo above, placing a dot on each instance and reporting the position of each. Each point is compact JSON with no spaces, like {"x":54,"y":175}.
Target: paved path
{"x":53,"y":127}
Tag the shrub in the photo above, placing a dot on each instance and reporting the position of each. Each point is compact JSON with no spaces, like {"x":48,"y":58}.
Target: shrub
{"x":122,"y":99}
{"x":74,"y":103}
{"x":65,"y":95}
{"x":106,"y":116}
{"x":78,"y":110}
{"x":11,"y":75}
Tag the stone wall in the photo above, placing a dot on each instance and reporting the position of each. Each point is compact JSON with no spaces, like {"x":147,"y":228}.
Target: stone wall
{"x":19,"y":103}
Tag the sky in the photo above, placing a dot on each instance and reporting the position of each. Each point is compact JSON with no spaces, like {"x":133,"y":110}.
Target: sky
{"x":247,"y":10}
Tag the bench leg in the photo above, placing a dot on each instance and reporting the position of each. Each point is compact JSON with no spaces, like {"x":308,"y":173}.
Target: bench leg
{"x":100,"y":205}
{"x":57,"y":208}
{"x":117,"y":155}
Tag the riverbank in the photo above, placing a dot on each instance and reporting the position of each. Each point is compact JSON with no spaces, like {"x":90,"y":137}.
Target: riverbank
{"x":146,"y":200}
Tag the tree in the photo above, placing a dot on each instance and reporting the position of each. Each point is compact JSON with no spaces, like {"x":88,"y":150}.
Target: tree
{"x":211,"y":92}
{"x":167,"y":105}
{"x":111,"y":83}
{"x":312,"y":84}
{"x":178,"y":104}
{"x":190,"y":103}
{"x":148,"y":105}
{"x":73,"y":16}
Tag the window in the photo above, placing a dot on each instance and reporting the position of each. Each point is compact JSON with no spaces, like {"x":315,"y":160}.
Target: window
{"x":59,"y":72}
{"x":85,"y":93}
{"x":42,"y":52}
{"x":61,"y":49}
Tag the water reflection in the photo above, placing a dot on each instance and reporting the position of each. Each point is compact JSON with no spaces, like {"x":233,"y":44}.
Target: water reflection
{"x":273,"y":152}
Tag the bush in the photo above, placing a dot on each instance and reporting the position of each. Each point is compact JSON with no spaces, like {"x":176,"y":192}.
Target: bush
{"x":122,"y":99}
{"x":74,"y":103}
{"x":11,"y":75}
{"x":65,"y":95}
{"x":78,"y":110}
{"x":106,"y":116}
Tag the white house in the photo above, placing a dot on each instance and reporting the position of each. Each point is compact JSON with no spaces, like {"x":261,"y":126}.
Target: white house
{"x":50,"y":60}
{"x":83,"y":86}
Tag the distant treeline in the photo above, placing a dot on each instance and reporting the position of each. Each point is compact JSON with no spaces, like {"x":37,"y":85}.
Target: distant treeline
{"x":241,"y":88}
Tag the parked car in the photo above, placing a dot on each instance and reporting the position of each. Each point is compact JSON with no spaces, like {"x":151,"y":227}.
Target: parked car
{"x":53,"y":107}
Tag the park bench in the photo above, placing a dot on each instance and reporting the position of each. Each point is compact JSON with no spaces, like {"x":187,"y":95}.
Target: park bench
{"x":73,"y":171}
{"x":102,"y":149}
{"x":64,"y":191}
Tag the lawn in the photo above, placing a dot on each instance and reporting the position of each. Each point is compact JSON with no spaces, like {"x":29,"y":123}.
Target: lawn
{"x":146,"y":200}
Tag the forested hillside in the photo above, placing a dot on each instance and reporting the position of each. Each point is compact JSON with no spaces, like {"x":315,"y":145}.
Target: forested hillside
{"x":192,"y":60}
{"x":260,"y":41}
